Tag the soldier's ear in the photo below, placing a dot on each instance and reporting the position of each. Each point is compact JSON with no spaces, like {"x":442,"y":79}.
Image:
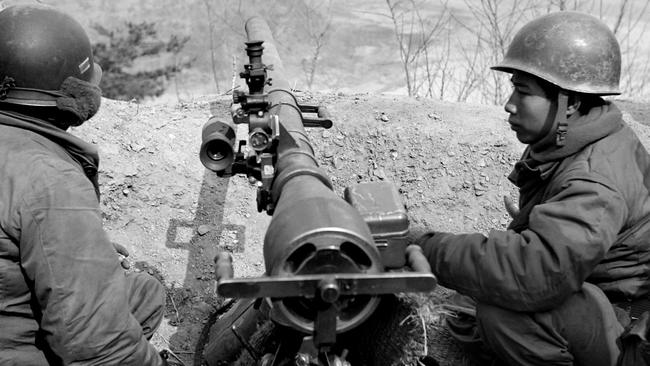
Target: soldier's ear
{"x":573,"y":104}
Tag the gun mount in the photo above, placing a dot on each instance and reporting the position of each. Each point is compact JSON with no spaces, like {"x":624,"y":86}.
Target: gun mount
{"x":261,"y":110}
{"x":328,"y":260}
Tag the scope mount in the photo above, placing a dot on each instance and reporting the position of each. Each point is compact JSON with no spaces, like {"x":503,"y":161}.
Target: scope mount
{"x":252,"y":109}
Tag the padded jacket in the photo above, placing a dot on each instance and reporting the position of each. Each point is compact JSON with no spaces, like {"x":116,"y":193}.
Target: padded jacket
{"x":584,"y":216}
{"x":63,"y":297}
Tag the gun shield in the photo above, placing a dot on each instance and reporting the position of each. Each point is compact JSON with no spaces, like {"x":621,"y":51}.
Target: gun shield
{"x":218,"y":145}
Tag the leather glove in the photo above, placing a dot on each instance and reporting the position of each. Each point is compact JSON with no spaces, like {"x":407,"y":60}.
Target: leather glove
{"x":122,"y":254}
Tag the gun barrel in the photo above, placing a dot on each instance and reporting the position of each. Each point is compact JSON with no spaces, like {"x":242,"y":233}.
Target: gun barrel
{"x":258,"y":30}
{"x":313,"y":230}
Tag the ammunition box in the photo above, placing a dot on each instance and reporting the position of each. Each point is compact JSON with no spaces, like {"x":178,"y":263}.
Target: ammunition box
{"x":381,"y":206}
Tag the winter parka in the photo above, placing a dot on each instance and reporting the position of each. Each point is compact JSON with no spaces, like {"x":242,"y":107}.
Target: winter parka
{"x":63,"y":294}
{"x":584,"y":216}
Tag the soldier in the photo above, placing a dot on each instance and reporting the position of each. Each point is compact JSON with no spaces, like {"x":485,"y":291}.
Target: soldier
{"x":580,"y":240}
{"x":64,"y":298}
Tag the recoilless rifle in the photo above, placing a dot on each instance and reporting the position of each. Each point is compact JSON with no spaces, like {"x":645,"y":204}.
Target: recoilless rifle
{"x":328,"y":260}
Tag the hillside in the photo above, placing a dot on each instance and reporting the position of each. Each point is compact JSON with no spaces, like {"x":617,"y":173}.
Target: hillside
{"x":449,"y":161}
{"x":360,"y":49}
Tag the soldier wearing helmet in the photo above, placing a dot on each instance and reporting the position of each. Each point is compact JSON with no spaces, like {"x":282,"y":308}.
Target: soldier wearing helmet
{"x":541,"y":292}
{"x":64,"y":299}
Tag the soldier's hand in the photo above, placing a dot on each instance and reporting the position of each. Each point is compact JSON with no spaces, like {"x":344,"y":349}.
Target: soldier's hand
{"x":511,"y":207}
{"x":122,"y":254}
{"x":417,"y":234}
{"x":416,"y":259}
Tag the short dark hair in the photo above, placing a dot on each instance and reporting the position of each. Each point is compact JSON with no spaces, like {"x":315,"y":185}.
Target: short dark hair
{"x":587,"y":101}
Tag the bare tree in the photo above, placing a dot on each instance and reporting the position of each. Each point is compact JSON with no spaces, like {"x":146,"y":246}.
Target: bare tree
{"x":211,"y":36}
{"x":494,"y":25}
{"x":470,"y":79}
{"x":317,"y":27}
{"x":619,"y":19}
{"x":405,"y":41}
{"x":436,"y":67}
{"x":415,"y":35}
{"x":631,"y":29}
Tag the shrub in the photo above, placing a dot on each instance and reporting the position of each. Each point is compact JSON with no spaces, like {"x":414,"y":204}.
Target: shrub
{"x":136,"y":62}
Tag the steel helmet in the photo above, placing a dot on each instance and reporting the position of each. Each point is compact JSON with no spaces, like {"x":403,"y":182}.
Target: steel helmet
{"x":41,"y":47}
{"x":572,"y":50}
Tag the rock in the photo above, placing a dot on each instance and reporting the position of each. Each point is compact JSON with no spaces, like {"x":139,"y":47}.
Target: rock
{"x":434,"y":116}
{"x":203,"y":229}
{"x":136,"y":147}
{"x":337,"y":163}
{"x":131,"y":171}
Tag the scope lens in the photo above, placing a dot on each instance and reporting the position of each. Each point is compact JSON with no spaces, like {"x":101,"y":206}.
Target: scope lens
{"x":216,"y":156}
{"x":218,"y":150}
{"x":259,"y":140}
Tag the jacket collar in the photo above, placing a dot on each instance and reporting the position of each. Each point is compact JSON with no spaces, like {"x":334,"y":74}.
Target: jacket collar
{"x":539,"y":160}
{"x":84,"y":153}
{"x":582,"y":130}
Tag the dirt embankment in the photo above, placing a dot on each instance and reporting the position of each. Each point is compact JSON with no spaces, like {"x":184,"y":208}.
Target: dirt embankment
{"x":450,"y":162}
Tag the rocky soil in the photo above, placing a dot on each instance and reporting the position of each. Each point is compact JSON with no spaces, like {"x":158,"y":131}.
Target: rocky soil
{"x":449,"y":161}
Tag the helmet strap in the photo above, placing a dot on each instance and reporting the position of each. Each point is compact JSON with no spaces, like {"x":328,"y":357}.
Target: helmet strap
{"x":560,"y":118}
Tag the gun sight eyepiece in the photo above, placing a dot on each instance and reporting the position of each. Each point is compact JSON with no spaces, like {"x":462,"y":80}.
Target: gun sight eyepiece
{"x":218,"y":145}
{"x":254,"y":50}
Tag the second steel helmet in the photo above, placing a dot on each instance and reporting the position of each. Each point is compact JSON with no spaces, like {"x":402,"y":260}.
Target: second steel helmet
{"x":40,"y":48}
{"x":572,"y":50}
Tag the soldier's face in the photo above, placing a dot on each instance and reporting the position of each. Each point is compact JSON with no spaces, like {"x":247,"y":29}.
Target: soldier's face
{"x":531,"y":111}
